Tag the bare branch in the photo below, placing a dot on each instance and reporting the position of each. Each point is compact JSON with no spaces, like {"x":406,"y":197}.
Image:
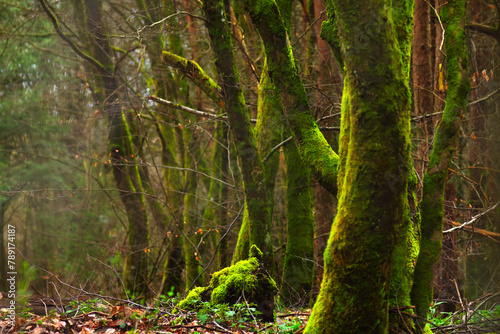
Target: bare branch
{"x":488,"y":30}
{"x":209,"y":114}
{"x":476,"y":217}
{"x":275,"y":148}
{"x":139,"y":31}
{"x":484,"y":98}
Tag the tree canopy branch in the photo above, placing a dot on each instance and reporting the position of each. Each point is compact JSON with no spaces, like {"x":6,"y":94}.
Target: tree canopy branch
{"x":193,"y":71}
{"x":72,"y":45}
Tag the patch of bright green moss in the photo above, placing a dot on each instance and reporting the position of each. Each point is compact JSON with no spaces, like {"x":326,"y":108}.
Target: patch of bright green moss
{"x":247,"y":280}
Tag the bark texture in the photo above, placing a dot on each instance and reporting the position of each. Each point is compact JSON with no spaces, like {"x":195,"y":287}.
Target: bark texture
{"x":375,"y":146}
{"x":445,"y":140}
{"x":312,"y":146}
{"x":373,"y":172}
{"x":256,"y":197}
{"x":298,"y":267}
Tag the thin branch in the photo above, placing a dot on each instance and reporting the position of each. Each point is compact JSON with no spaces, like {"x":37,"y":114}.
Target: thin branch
{"x":209,"y":114}
{"x":441,"y":24}
{"x":217,"y":246}
{"x":328,"y":116}
{"x":247,"y":57}
{"x":427,"y":115}
{"x":197,"y":172}
{"x":139,"y":31}
{"x":486,"y":233}
{"x":125,"y":54}
{"x":488,"y":30}
{"x":275,"y":148}
{"x":51,"y":51}
{"x":483,"y":98}
{"x":309,"y":28}
{"x":330,"y":128}
{"x":476,"y":217}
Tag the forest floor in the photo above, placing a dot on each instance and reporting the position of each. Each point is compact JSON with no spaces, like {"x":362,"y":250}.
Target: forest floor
{"x":100,"y":316}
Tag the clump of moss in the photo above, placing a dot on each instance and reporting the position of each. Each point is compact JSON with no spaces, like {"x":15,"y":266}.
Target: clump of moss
{"x":246,"y":280}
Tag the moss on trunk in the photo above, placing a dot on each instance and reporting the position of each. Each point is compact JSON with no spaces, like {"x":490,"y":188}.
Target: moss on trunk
{"x":312,"y":146}
{"x":373,"y":175}
{"x":298,"y":266}
{"x":445,"y":140}
{"x":256,"y":196}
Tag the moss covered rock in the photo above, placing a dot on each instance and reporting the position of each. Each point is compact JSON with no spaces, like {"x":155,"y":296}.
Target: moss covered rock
{"x":247,"y":280}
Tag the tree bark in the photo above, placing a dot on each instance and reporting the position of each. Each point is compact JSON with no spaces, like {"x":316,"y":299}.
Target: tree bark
{"x":298,"y":266}
{"x":312,"y":146}
{"x":256,"y":196}
{"x":445,"y":140}
{"x":372,"y":187}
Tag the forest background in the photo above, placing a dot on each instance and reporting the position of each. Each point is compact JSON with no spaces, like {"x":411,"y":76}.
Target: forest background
{"x":124,"y":175}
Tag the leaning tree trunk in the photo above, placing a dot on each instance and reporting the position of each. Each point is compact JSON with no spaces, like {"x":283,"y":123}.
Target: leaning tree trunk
{"x":445,"y":140}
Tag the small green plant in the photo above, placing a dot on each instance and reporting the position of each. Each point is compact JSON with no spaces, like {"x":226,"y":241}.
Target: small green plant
{"x":28,"y":275}
{"x":480,"y":318}
{"x":25,"y":313}
{"x":171,"y":293}
{"x":288,"y":328}
{"x":237,"y":314}
{"x":77,"y":307}
{"x":135,"y":316}
{"x":202,"y":317}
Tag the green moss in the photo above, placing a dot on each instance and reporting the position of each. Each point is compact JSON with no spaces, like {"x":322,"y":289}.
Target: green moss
{"x":373,"y":175}
{"x":329,"y":33}
{"x":246,"y":280}
{"x":298,"y":270}
{"x":453,"y":15}
{"x":256,"y":195}
{"x":196,"y":74}
{"x":314,"y":149}
{"x":193,"y":299}
{"x":243,"y":242}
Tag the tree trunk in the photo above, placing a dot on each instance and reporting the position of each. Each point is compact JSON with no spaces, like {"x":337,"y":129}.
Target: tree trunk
{"x":432,"y":206}
{"x":215,"y":213}
{"x":256,"y":196}
{"x":298,"y":266}
{"x":192,"y":257}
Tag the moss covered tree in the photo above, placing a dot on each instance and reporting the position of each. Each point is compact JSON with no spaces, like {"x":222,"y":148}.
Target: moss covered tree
{"x":257,"y":206}
{"x":445,"y":141}
{"x":377,"y":226}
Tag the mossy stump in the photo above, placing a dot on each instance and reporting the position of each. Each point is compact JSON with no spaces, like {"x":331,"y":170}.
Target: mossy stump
{"x":246,"y":280}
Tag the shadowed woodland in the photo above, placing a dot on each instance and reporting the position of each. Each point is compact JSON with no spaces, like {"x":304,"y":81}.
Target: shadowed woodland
{"x":333,"y":163}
